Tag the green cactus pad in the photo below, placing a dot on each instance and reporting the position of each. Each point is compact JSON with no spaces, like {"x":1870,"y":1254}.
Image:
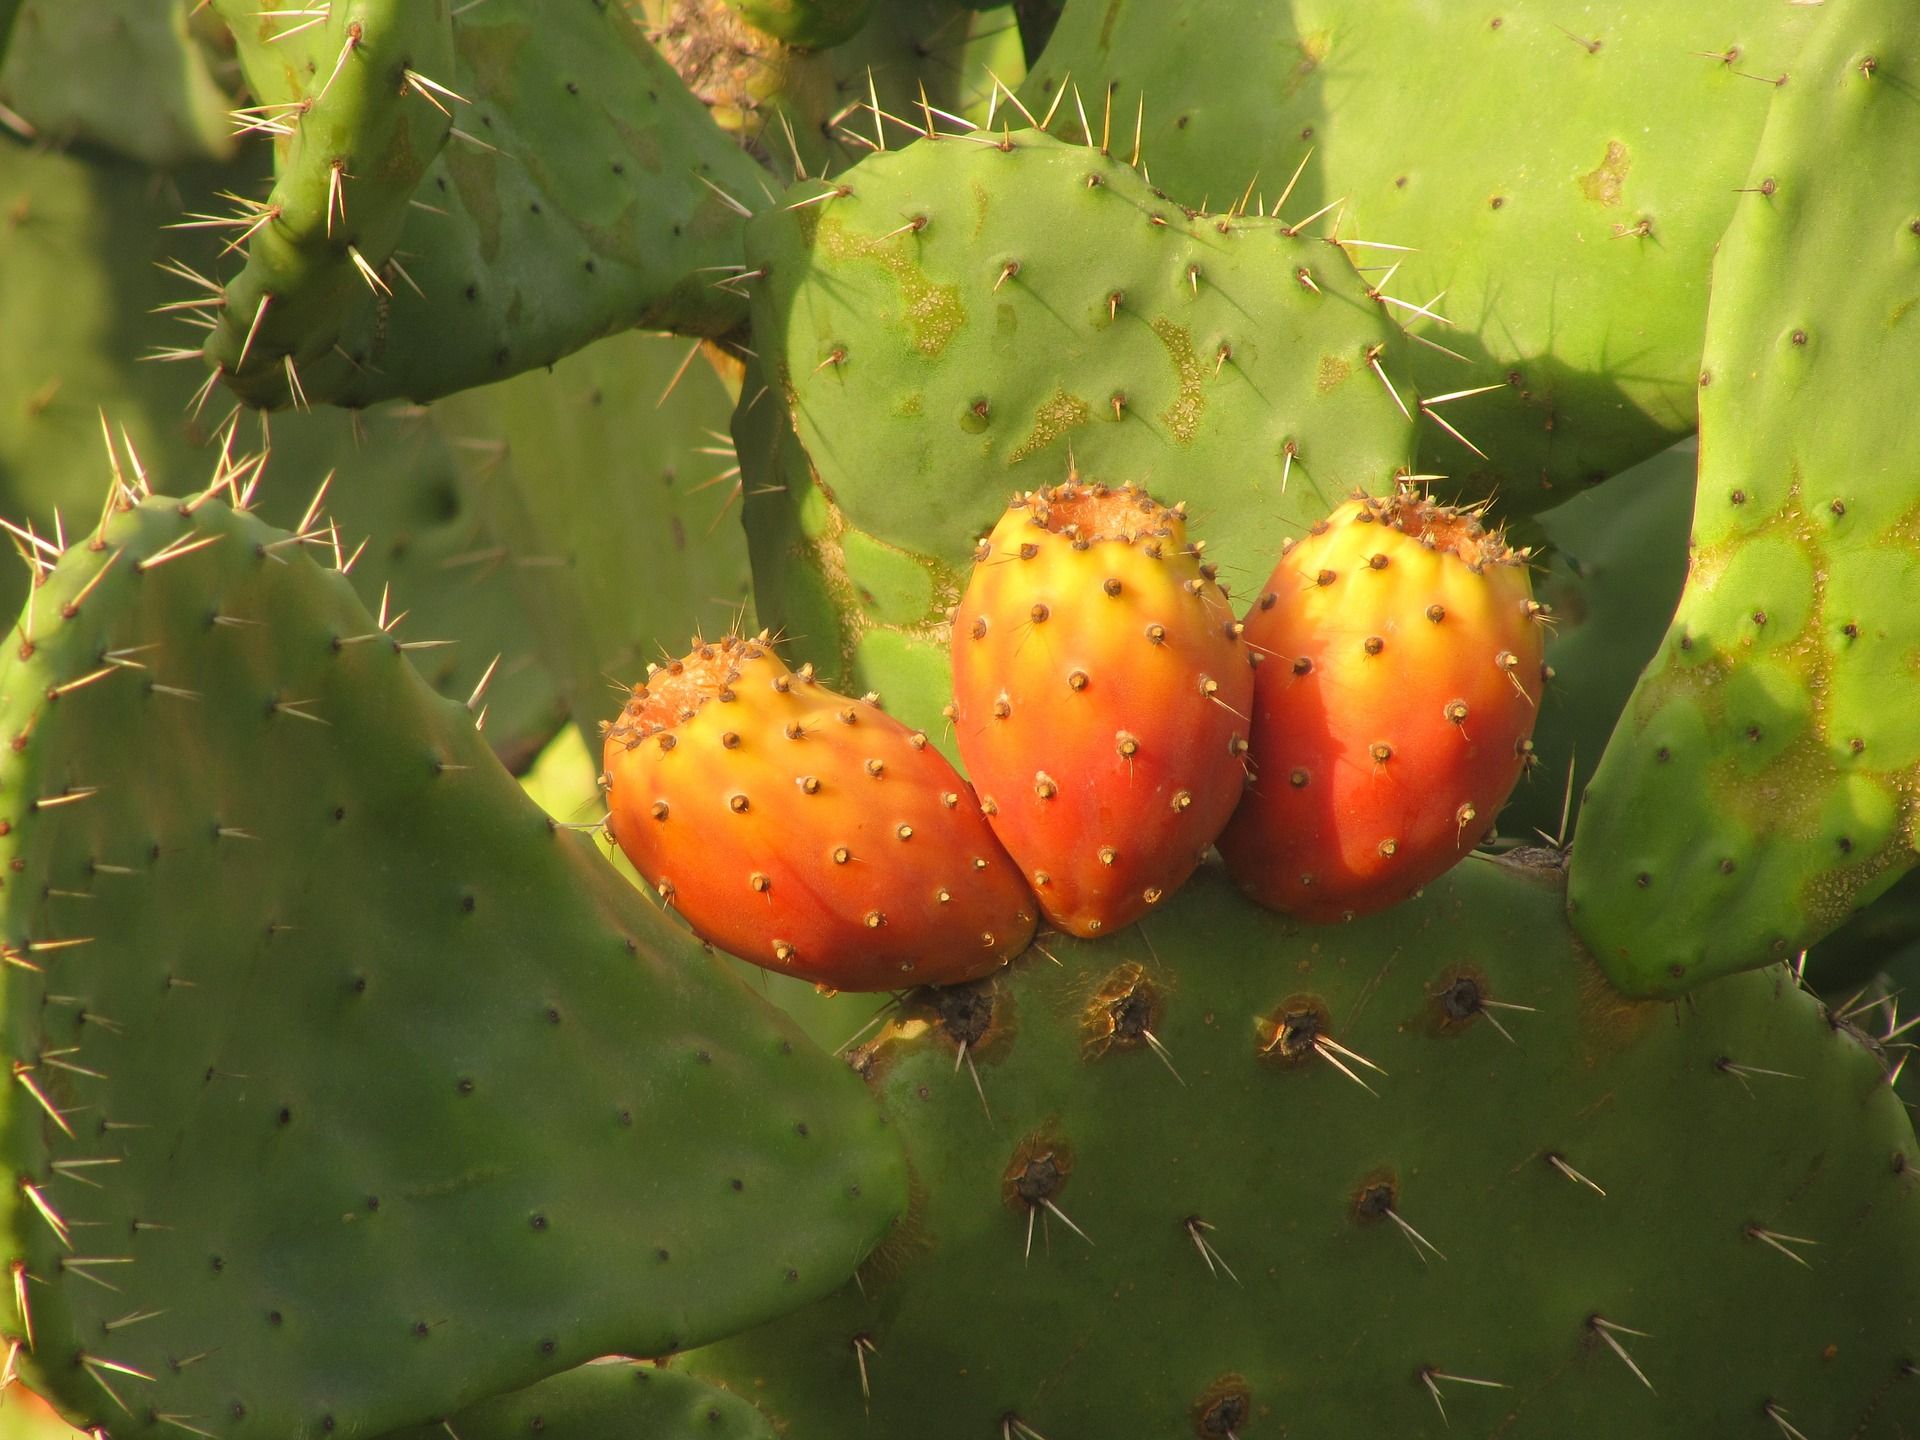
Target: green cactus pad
{"x":564,"y":782}
{"x":617,"y":1400}
{"x":431,"y":544}
{"x":1259,"y":1245}
{"x":348,"y":1089}
{"x":969,"y":316}
{"x":583,"y":191}
{"x":127,"y":75}
{"x":80,"y":251}
{"x":83,"y":266}
{"x":1612,"y":576}
{"x":356,"y":137}
{"x":1765,"y":780}
{"x":1560,"y":171}
{"x":608,"y":470}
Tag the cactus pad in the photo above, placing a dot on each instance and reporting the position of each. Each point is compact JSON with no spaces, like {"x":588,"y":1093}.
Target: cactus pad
{"x":582,"y":191}
{"x":1284,"y":1240}
{"x":88,"y":253}
{"x":1765,"y":779}
{"x":1559,"y":171}
{"x":612,"y":464}
{"x":363,"y":122}
{"x":347,"y":1089}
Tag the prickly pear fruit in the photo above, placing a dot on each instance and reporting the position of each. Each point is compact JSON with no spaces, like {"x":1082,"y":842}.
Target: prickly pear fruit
{"x":1101,"y":692}
{"x":1393,"y":709}
{"x":806,"y":832}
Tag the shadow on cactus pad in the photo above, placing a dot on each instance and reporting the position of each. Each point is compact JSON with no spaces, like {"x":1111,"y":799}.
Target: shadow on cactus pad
{"x":1553,"y":177}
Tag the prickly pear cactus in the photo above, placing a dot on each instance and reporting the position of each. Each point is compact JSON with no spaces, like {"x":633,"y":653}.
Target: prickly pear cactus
{"x":82,"y":243}
{"x":565,"y":782}
{"x":350,"y":1093}
{"x":1102,"y":695}
{"x":1395,"y":710}
{"x":581,"y":191}
{"x":1560,"y":172}
{"x":1765,"y":779}
{"x":348,"y":1089}
{"x":1419,"y":1175}
{"x":364,"y":119}
{"x":87,"y":247}
{"x":969,"y":316}
{"x":729,"y":775}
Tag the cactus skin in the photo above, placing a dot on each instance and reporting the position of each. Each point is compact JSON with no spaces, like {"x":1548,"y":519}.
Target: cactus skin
{"x":83,"y":272}
{"x":127,"y":75}
{"x":1336,"y":1313}
{"x":565,"y":782}
{"x":867,"y":613}
{"x":356,"y":152}
{"x":1882,"y":936}
{"x":609,"y":465}
{"x":1611,"y":578}
{"x":959,"y":379}
{"x":1530,"y":226}
{"x":1765,"y":780}
{"x":407,"y":1070}
{"x":1401,"y":674}
{"x":584,"y":206}
{"x":807,"y":832}
{"x":434,"y":540}
{"x":607,"y":1401}
{"x":80,"y":253}
{"x":1101,"y":694}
